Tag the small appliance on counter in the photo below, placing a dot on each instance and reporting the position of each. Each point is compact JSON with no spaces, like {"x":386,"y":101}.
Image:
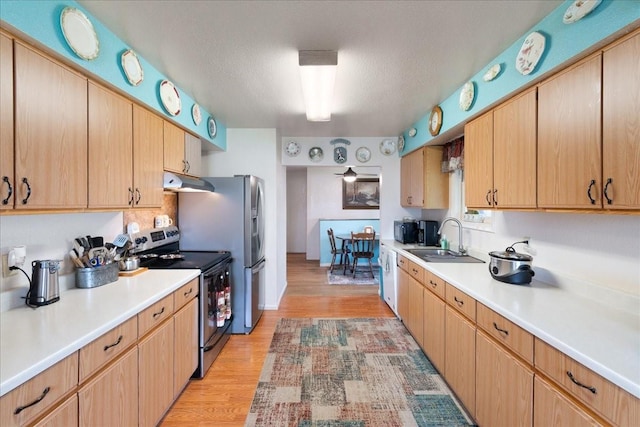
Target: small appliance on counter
{"x":509,"y":266}
{"x":405,"y":231}
{"x":427,"y":233}
{"x":45,"y":287}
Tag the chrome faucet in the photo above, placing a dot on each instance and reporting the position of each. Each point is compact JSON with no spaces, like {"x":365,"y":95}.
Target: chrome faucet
{"x":461,"y":249}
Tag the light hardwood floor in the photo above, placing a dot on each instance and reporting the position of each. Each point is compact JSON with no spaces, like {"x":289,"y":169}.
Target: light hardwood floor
{"x":224,"y":396}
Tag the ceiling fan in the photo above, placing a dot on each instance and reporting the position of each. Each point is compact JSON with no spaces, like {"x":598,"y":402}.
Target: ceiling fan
{"x":350,"y":175}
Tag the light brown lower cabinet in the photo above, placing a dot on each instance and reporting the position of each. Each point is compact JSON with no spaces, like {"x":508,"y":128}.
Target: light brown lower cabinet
{"x":460,"y":351}
{"x":433,"y":329}
{"x":504,"y":386}
{"x":186,"y":345}
{"x":415,"y":320}
{"x":65,"y":415}
{"x":553,"y":409}
{"x":111,"y":398}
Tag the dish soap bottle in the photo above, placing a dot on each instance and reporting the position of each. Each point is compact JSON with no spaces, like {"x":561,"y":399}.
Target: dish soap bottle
{"x":444,"y":243}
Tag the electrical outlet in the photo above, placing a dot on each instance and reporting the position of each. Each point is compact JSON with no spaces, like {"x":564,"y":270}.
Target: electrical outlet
{"x":5,"y":267}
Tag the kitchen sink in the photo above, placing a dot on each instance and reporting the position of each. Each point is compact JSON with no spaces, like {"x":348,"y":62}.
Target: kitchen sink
{"x":443,"y":255}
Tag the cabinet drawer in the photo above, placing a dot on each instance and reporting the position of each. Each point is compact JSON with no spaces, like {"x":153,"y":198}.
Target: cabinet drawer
{"x":108,"y":346}
{"x":434,"y":283}
{"x":403,"y":263}
{"x":416,"y":271}
{"x":461,"y":301}
{"x":506,"y":332}
{"x":154,"y":315}
{"x":607,"y":399}
{"x":185,"y":294}
{"x":39,"y":393}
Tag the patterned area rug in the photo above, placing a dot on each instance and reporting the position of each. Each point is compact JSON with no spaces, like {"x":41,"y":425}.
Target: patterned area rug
{"x":351,"y":373}
{"x":363,"y":276}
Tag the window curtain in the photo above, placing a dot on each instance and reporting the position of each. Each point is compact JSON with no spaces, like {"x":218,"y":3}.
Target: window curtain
{"x":453,"y":155}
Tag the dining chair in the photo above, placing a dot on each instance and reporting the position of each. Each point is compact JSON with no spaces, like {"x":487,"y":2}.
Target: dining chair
{"x":362,"y":248}
{"x":343,"y":251}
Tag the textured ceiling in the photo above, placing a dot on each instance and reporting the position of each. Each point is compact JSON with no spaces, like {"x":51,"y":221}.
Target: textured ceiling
{"x":396,"y":59}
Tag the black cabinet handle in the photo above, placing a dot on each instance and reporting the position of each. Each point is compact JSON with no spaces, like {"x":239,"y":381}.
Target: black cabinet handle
{"x":459,"y":301}
{"x":495,"y":199}
{"x":188,"y":292}
{"x":38,"y":400}
{"x":606,"y":191}
{"x":591,"y":184}
{"x":107,"y":347}
{"x":138,"y":195}
{"x":158,"y":313}
{"x":184,"y":166}
{"x":433,"y":284}
{"x":578,"y":383}
{"x":504,"y":331}
{"x":130,"y":196}
{"x":6,"y":179}
{"x":25,"y":181}
{"x":487,"y":197}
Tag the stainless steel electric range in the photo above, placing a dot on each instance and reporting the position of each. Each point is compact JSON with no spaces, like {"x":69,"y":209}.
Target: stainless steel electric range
{"x":158,"y":248}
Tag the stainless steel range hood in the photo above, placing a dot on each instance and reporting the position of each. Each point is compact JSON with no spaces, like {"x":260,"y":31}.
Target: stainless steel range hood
{"x":174,"y":182}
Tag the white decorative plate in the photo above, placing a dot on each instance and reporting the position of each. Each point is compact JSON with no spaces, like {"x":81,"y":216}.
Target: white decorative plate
{"x":578,"y":10}
{"x":132,"y":68}
{"x":363,"y":154}
{"x":530,"y":53}
{"x":212,"y":128}
{"x":170,"y":98}
{"x":196,"y":115}
{"x":388,"y":146}
{"x":492,"y":72}
{"x":79,"y":33}
{"x":401,"y":143}
{"x":466,"y":96}
{"x":413,"y":132}
{"x":315,"y":154}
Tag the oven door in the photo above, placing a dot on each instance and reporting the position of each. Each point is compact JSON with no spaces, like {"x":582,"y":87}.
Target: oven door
{"x":211,"y":280}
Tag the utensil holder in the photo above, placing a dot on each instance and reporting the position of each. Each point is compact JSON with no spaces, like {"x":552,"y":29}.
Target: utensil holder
{"x":97,"y":276}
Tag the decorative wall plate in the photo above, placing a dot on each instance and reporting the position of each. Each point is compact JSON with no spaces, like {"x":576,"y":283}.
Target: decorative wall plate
{"x":196,"y":115}
{"x":340,"y":154}
{"x":401,"y":143}
{"x":435,"y":120}
{"x":466,"y":96}
{"x":413,"y":132}
{"x":212,"y":128}
{"x":492,"y":72}
{"x":363,"y":154}
{"x":530,"y":53}
{"x":388,"y":147}
{"x":292,"y":148}
{"x":316,"y":154}
{"x":79,"y":33}
{"x":578,"y":10}
{"x":170,"y":98}
{"x":132,"y":68}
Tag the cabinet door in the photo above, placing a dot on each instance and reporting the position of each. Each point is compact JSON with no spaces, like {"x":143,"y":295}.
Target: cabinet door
{"x":405,"y":181}
{"x":110,"y":149}
{"x":621,"y":126}
{"x":569,"y":138}
{"x":111,"y":398}
{"x":173,"y":148}
{"x":433,"y":330}
{"x":460,"y":353}
{"x":7,"y":186}
{"x":478,"y":159}
{"x":514,"y":152}
{"x":504,"y":387}
{"x":415,"y":310}
{"x":193,"y":154}
{"x":552,"y":409}
{"x":147,"y":158}
{"x":50,"y":133}
{"x":65,"y":415}
{"x":155,"y":374}
{"x":417,"y":178}
{"x":186,"y":345}
{"x":435,"y":183}
{"x":403,"y":295}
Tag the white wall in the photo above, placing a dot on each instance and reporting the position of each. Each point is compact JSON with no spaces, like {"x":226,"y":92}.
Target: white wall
{"x":255,"y":152}
{"x":296,"y":210}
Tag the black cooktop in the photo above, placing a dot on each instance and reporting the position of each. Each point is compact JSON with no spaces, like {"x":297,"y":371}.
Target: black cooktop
{"x":164,"y":258}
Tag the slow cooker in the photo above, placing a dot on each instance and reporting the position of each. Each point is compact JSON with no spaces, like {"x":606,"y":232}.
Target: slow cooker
{"x":512,"y":267}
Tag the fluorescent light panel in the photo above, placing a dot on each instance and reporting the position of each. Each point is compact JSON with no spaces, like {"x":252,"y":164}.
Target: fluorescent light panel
{"x":318,"y":75}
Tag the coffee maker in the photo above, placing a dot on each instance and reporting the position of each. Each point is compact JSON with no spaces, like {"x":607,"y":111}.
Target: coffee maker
{"x":428,"y":233}
{"x":44,"y":288}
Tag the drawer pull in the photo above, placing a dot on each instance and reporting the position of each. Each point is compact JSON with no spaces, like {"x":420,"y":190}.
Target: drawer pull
{"x":188,"y":292}
{"x":578,"y":383}
{"x":25,"y":181}
{"x":591,"y":185}
{"x":158,"y":313}
{"x":459,"y":301}
{"x":107,"y":347}
{"x":433,"y":284}
{"x":5,"y":179}
{"x":39,"y":399}
{"x":504,"y":331}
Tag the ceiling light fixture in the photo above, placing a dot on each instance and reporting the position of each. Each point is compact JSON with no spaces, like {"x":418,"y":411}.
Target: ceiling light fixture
{"x":318,"y":74}
{"x":349,"y":175}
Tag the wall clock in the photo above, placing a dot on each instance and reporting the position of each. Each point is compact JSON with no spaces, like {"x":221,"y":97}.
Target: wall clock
{"x":435,"y":120}
{"x":292,"y":148}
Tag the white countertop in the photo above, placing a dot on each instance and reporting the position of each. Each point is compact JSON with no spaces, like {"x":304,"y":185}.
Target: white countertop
{"x":602,"y":334}
{"x":32,"y":340}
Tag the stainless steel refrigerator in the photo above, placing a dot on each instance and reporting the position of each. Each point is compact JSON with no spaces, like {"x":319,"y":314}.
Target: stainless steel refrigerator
{"x":230,"y":218}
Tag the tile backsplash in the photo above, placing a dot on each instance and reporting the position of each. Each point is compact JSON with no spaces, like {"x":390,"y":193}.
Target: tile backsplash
{"x":145,"y":218}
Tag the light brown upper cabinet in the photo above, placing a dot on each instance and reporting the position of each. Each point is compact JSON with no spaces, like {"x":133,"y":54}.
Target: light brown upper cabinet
{"x":50,"y":133}
{"x":621,"y":125}
{"x":147,"y":158}
{"x":192,"y":154}
{"x":500,"y":156}
{"x":182,"y":152}
{"x":6,"y":123}
{"x":110,"y":149}
{"x":569,"y":138}
{"x":422,"y":184}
